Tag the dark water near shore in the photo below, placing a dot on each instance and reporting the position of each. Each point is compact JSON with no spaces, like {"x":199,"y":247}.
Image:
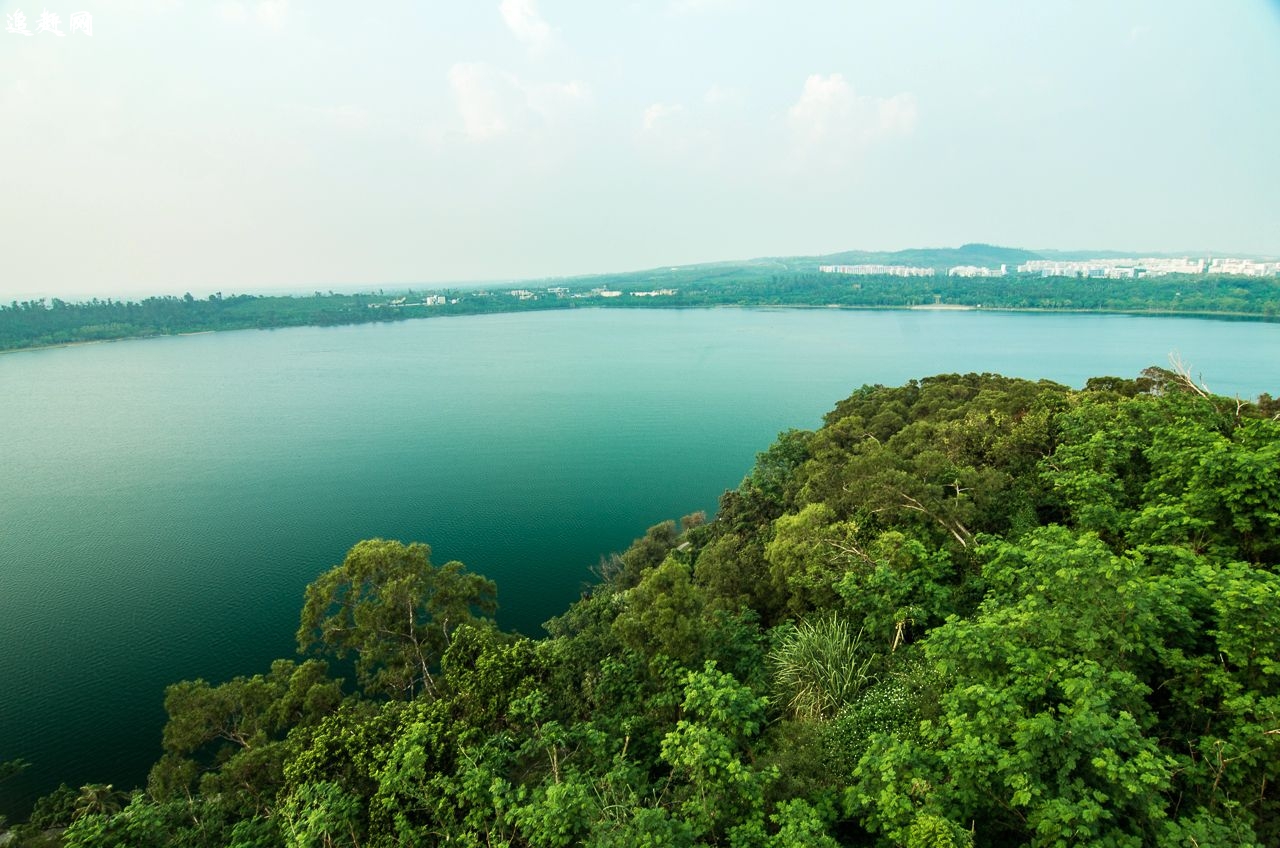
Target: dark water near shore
{"x":164,"y":502}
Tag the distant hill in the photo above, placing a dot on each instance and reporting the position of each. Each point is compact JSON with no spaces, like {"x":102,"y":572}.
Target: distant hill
{"x":767,"y":268}
{"x":939,"y":258}
{"x":1084,"y":255}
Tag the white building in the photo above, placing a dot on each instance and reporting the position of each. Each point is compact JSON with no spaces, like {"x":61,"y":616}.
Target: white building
{"x":1243,"y":267}
{"x":1113,"y":269}
{"x":976,"y":271}
{"x":868,"y":270}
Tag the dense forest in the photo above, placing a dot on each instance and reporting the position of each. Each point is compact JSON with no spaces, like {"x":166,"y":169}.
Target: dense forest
{"x":970,"y":610}
{"x":39,"y":323}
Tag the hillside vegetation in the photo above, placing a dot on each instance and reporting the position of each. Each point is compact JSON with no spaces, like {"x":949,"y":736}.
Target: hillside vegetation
{"x":970,"y":610}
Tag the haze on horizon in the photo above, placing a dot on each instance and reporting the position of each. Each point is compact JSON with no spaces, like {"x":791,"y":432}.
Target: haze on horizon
{"x":278,"y":145}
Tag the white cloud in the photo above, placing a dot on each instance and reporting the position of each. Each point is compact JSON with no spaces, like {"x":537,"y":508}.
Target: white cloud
{"x":493,"y":102}
{"x":485,"y":100}
{"x":522,"y":18}
{"x":657,"y":114}
{"x":833,"y":122}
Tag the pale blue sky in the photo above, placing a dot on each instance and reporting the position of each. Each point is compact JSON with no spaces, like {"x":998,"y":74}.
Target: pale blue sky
{"x":285,"y":145}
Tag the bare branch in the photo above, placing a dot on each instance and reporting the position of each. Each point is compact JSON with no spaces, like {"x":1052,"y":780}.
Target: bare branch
{"x":851,"y":550}
{"x":912,"y":503}
{"x":1183,"y":370}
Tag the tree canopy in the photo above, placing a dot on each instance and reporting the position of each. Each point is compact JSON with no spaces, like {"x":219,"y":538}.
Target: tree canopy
{"x":966,"y":611}
{"x":390,"y":607}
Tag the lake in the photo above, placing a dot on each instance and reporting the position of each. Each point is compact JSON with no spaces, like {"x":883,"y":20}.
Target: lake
{"x":163,"y":502}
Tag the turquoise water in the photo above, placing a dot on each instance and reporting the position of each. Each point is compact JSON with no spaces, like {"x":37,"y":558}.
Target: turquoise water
{"x":163,"y":502}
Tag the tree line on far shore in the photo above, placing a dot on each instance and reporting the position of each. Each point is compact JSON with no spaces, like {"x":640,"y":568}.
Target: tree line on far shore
{"x":37,"y":323}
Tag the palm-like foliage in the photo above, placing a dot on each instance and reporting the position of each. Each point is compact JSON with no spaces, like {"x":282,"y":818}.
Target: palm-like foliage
{"x":98,"y":799}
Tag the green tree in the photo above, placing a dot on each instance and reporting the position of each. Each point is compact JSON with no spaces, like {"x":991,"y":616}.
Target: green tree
{"x":57,"y":809}
{"x":715,"y":785}
{"x":1214,"y":491}
{"x":735,"y":574}
{"x":809,"y":553}
{"x":395,"y":611}
{"x":645,"y":554}
{"x":321,"y":815}
{"x":1043,"y":736}
{"x":663,"y":615}
{"x":238,"y":727}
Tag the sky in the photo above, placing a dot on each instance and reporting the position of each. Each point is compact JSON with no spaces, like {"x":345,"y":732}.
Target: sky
{"x":298,"y":146}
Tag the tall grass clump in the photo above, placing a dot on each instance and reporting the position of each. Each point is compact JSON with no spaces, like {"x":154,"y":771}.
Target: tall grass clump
{"x":818,"y":667}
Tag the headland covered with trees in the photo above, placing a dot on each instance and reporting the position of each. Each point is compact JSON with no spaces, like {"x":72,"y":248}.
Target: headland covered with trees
{"x":795,"y":281}
{"x":970,"y":610}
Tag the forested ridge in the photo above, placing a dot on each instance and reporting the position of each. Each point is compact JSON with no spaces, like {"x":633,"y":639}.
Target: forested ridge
{"x":970,"y":610}
{"x":37,"y":323}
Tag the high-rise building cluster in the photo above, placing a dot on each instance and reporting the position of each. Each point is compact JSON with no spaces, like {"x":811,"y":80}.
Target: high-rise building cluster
{"x":1243,"y":267}
{"x":1112,"y":269}
{"x":1148,"y":267}
{"x":1101,"y":269}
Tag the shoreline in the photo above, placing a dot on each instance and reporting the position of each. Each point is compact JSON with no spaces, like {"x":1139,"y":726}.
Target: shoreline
{"x":57,"y":345}
{"x":905,"y":307}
